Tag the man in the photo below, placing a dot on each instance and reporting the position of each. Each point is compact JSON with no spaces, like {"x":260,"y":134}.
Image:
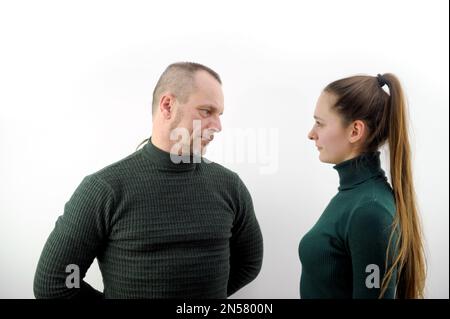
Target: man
{"x":163,"y":222}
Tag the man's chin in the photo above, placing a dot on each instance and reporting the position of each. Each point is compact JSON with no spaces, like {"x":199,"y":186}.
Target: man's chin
{"x":203,"y":149}
{"x":199,"y":151}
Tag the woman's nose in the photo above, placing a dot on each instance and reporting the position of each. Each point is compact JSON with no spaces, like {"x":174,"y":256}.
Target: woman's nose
{"x":311,"y":135}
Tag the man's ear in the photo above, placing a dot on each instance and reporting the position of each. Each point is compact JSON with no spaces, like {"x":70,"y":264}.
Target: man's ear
{"x":356,"y":131}
{"x":166,"y":103}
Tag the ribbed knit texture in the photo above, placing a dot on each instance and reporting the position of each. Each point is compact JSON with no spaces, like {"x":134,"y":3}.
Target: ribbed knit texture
{"x":158,"y":230}
{"x":352,"y":233}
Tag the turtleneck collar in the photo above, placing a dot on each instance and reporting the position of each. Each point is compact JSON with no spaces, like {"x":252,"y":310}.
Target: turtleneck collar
{"x":169,"y":161}
{"x":359,"y":169}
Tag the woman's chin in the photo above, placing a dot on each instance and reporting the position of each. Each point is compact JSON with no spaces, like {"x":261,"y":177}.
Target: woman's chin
{"x":321,"y":157}
{"x":324,"y":159}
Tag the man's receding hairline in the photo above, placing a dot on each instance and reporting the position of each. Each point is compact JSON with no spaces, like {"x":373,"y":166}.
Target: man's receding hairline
{"x":179,"y":72}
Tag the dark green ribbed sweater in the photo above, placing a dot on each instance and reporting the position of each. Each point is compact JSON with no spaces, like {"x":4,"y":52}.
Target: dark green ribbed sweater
{"x":352,"y":233}
{"x":158,"y":230}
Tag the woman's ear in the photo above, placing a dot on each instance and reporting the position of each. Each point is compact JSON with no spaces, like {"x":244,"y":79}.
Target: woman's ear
{"x":356,"y":131}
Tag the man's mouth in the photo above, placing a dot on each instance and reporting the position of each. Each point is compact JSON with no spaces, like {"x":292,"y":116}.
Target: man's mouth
{"x":207,"y":138}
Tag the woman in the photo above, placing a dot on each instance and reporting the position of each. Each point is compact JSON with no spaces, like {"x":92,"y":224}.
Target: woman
{"x":368,"y":241}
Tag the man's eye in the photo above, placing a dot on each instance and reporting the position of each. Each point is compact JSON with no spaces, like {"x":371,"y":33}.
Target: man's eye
{"x":318,"y":123}
{"x":205,"y":112}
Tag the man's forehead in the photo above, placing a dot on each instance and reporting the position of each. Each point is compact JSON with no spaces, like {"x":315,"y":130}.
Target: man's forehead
{"x":208,"y":97}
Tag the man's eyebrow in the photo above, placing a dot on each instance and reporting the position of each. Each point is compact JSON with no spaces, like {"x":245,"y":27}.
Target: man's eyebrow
{"x":317,"y":118}
{"x":210,"y":106}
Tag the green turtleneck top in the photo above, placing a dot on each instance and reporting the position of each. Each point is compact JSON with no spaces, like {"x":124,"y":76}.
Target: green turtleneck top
{"x":340,"y":255}
{"x":158,"y":230}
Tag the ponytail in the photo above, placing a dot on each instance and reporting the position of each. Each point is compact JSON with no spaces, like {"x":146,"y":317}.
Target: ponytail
{"x":409,"y":260}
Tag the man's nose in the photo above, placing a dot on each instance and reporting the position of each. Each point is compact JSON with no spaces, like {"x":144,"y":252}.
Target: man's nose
{"x":216,"y":125}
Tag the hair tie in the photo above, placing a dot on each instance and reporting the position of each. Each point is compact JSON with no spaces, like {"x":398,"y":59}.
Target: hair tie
{"x":381,"y":80}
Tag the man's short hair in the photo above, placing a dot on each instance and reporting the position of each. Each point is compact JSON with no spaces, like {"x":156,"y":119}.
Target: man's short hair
{"x":178,"y":78}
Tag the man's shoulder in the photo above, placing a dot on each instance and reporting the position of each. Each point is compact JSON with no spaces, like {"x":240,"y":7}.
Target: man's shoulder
{"x":119,"y":170}
{"x":218,"y":169}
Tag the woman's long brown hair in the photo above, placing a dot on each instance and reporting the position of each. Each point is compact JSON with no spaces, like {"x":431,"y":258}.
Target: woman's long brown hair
{"x":385,"y":114}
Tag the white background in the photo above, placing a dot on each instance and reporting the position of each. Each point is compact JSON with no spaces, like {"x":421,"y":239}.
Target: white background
{"x":76,"y":79}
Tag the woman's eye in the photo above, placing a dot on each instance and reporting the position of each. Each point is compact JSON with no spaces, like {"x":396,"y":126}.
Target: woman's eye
{"x":318,"y":124}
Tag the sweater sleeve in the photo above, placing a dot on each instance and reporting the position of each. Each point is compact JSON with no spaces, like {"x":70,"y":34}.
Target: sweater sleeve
{"x":77,"y":238}
{"x":246,"y":243}
{"x":368,"y":237}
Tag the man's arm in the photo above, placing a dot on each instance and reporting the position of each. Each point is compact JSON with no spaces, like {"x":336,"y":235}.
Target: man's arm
{"x":246,"y":244}
{"x":77,"y":238}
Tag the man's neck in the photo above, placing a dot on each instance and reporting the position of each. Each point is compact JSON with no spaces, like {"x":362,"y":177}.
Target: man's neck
{"x":161,"y":142}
